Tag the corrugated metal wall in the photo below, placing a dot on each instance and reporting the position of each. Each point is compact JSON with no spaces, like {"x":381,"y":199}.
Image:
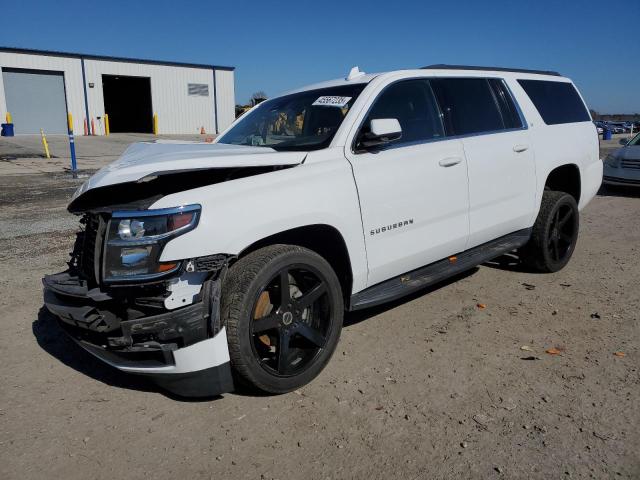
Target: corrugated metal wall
{"x":177,"y":111}
{"x":225,"y":91}
{"x":72,"y":80}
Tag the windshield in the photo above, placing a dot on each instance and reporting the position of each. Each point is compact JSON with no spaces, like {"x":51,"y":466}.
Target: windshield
{"x":300,"y":121}
{"x":635,"y":141}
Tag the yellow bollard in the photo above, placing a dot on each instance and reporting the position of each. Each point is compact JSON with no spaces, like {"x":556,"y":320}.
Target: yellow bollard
{"x":72,"y":147}
{"x":155,"y":123}
{"x":45,"y":144}
{"x":8,"y":117}
{"x":106,"y":124}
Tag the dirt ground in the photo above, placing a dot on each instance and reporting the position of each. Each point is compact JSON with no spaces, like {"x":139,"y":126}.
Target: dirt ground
{"x":429,"y":387}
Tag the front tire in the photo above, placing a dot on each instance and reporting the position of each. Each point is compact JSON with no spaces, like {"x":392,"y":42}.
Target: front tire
{"x":555,"y":233}
{"x":283,"y":310}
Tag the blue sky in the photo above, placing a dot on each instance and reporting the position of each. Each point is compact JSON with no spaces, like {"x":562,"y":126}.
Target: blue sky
{"x":280,"y":45}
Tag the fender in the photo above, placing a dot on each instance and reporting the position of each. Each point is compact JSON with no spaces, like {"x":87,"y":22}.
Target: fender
{"x":319,"y":191}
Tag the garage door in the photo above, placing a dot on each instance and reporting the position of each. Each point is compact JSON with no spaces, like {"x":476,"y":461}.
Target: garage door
{"x":36,"y":100}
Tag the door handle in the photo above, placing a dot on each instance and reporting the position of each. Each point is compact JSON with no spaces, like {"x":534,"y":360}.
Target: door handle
{"x":520,"y":148}
{"x":449,"y":161}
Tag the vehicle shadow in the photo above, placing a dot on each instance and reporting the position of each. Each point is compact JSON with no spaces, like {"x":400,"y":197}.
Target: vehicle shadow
{"x":509,"y":262}
{"x":619,"y":191}
{"x":56,"y":343}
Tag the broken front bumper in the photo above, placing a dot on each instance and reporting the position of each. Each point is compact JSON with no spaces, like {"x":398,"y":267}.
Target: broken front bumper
{"x":183,"y":350}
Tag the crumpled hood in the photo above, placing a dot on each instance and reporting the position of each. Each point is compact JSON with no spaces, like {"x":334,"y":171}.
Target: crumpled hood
{"x":143,"y":159}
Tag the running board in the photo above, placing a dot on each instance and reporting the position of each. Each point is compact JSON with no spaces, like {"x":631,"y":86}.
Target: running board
{"x":436,"y":272}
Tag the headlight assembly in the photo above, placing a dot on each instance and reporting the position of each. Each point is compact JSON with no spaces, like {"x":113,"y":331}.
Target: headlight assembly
{"x":135,"y":240}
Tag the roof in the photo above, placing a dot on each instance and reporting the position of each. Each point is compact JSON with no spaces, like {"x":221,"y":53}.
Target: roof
{"x":442,"y":66}
{"x":53,"y":53}
{"x":367,"y":77}
{"x":338,"y":82}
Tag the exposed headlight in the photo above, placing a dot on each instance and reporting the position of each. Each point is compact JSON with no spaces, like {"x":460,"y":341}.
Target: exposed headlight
{"x":131,"y":229}
{"x":612,"y":161}
{"x":135,"y":240}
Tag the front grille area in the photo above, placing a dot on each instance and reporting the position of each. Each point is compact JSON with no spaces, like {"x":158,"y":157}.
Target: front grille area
{"x":631,"y":163}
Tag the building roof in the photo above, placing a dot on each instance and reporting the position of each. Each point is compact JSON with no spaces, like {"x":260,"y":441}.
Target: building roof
{"x":52,"y":53}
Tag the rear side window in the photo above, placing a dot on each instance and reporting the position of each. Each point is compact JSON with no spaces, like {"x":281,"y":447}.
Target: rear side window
{"x":557,"y":102}
{"x":411,"y":102}
{"x":468,"y":105}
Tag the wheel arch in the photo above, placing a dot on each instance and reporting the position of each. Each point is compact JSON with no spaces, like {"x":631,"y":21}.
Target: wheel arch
{"x":565,"y":178}
{"x":325,"y":240}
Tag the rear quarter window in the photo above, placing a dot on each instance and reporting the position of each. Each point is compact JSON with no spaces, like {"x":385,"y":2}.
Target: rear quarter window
{"x":557,"y":102}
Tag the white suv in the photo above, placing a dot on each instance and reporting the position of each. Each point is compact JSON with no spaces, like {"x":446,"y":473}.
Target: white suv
{"x":207,"y":266}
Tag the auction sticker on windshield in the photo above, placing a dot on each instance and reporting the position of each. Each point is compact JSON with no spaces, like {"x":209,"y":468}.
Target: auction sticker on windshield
{"x":330,"y":101}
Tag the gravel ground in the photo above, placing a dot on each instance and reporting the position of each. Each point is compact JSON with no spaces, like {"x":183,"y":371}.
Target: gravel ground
{"x":433,"y":386}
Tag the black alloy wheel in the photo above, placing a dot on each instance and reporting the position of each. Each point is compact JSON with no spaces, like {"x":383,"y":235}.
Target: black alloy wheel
{"x":562,"y":233}
{"x":288,"y":338}
{"x":554,"y":234}
{"x":282,"y":307}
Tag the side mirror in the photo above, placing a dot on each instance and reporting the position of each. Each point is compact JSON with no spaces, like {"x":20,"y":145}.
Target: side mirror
{"x":381,"y":132}
{"x":624,"y":141}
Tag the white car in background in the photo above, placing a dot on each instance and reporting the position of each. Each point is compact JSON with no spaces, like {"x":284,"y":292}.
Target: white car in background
{"x":622,"y":167}
{"x":215,"y":265}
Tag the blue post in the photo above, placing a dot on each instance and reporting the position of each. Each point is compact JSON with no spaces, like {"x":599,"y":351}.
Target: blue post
{"x":72,"y":147}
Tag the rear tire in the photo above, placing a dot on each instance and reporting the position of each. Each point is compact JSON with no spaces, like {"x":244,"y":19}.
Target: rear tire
{"x":283,"y":309}
{"x":555,"y":233}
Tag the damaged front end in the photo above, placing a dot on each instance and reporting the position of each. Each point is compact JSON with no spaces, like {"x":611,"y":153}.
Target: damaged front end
{"x":141,"y":315}
{"x":124,"y":304}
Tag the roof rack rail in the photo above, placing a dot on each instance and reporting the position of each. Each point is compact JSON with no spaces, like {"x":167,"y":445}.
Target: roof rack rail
{"x":497,"y":69}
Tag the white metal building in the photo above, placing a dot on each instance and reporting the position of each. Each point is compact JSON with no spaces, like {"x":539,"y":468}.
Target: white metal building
{"x":39,"y":88}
